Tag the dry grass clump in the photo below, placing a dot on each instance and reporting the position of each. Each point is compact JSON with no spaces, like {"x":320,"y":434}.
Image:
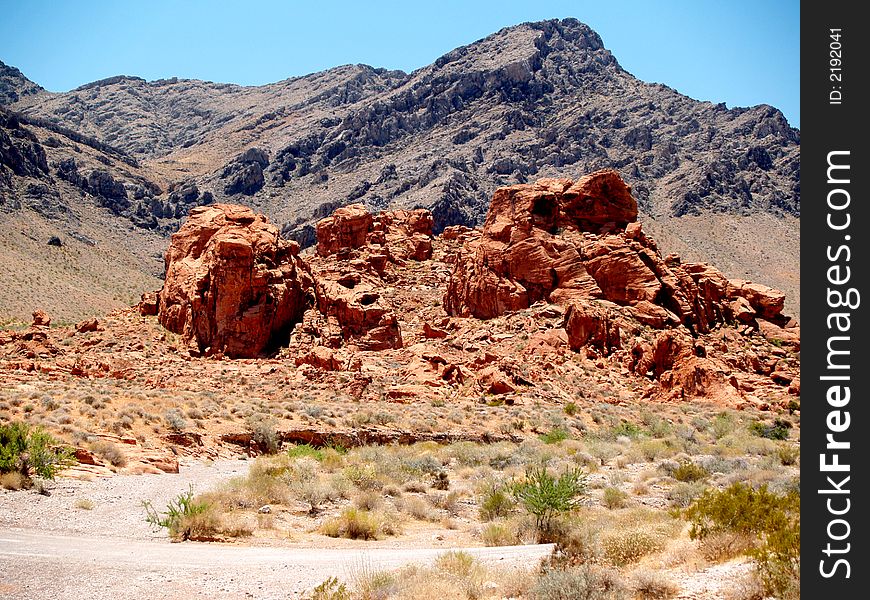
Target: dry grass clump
{"x":586,"y":582}
{"x":358,"y":524}
{"x":652,"y":585}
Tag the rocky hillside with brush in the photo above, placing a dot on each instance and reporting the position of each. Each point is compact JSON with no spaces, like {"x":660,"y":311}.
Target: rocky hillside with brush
{"x":536,"y":100}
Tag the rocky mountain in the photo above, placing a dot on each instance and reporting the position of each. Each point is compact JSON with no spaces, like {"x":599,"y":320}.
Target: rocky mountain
{"x":14,"y":85}
{"x":537,"y":100}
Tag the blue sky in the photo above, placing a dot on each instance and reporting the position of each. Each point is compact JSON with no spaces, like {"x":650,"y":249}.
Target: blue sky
{"x":741,"y":52}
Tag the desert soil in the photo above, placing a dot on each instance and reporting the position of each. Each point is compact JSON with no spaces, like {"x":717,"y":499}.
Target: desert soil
{"x":49,"y":548}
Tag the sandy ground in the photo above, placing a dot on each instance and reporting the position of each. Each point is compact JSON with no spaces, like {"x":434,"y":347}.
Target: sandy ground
{"x":51,"y":549}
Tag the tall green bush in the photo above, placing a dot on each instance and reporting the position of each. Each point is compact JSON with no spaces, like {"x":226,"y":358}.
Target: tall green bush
{"x":31,"y":451}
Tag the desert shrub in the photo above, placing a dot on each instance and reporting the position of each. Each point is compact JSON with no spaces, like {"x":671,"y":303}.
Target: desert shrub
{"x":84,"y":504}
{"x":13,"y":480}
{"x":496,"y":503}
{"x":373,"y":584}
{"x":657,"y":426}
{"x":264,"y":433}
{"x":571,"y":409}
{"x":788,"y":455}
{"x":652,"y":585}
{"x":368,"y":500}
{"x":417,"y":508}
{"x":585,"y":582}
{"x":354,"y":524}
{"x":457,"y":563}
{"x":725,"y":545}
{"x":578,"y":543}
{"x":175,"y":420}
{"x":683,"y":494}
{"x":546,"y":497}
{"x":189,"y":518}
{"x":621,"y":548}
{"x":331,"y":589}
{"x":305,"y":450}
{"x":653,"y":449}
{"x":109,"y":451}
{"x":614,"y":498}
{"x":499,"y":534}
{"x":626,"y":429}
{"x":778,"y":430}
{"x":773,"y":519}
{"x":723,"y":424}
{"x":30,"y":451}
{"x":555,"y":435}
{"x":364,"y":477}
{"x":687,"y":472}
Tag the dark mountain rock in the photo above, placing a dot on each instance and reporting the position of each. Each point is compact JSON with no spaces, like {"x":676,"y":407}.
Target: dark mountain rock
{"x":536,"y":100}
{"x":14,"y":85}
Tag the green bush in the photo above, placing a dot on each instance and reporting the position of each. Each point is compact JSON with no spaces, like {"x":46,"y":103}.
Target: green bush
{"x":306,"y":450}
{"x":546,"y":497}
{"x":354,"y":524}
{"x":496,"y":503}
{"x":629,"y":430}
{"x":31,"y":451}
{"x":773,"y":519}
{"x":777,"y":431}
{"x":185,"y":518}
{"x":331,"y":589}
{"x":614,"y":498}
{"x":554,"y":436}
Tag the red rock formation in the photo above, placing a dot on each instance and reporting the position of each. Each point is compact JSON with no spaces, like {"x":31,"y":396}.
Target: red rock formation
{"x":352,"y":298}
{"x":577,"y":244}
{"x":347,"y":228}
{"x":561,"y":241}
{"x":233,"y":286}
{"x":397,"y":235}
{"x":40,"y":319}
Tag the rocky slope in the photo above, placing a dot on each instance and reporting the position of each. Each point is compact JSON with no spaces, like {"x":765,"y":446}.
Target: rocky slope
{"x":535,"y":100}
{"x":386,"y":313}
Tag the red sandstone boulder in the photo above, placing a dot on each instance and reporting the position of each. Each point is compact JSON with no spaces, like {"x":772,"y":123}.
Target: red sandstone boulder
{"x":592,"y":325}
{"x":40,"y":319}
{"x":232,"y":285}
{"x":347,"y":228}
{"x":394,"y":235}
{"x":767,"y":301}
{"x":352,"y":299}
{"x":148,"y":304}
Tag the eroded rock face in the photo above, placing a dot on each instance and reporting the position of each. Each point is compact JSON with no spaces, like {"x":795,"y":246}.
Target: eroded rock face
{"x":398,"y":234}
{"x":563,"y":241}
{"x":347,"y":228}
{"x":233,"y":286}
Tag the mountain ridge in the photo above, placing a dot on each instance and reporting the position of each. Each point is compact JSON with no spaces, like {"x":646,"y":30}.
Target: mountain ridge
{"x":532,"y":100}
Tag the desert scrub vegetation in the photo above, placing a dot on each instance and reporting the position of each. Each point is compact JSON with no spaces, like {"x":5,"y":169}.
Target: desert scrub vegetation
{"x":772,"y":519}
{"x":189,"y":518}
{"x":29,"y":451}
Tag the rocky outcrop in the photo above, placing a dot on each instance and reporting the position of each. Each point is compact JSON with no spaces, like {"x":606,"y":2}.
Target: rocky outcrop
{"x":346,"y":229}
{"x":398,"y":234}
{"x":578,"y":245}
{"x":562,"y":241}
{"x":233,"y":286}
{"x":244,"y":174}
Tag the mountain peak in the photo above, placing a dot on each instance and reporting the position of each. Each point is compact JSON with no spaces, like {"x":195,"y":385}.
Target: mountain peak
{"x":14,"y":85}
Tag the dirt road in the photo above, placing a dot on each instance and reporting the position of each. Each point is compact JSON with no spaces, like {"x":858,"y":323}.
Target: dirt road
{"x":35,"y":564}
